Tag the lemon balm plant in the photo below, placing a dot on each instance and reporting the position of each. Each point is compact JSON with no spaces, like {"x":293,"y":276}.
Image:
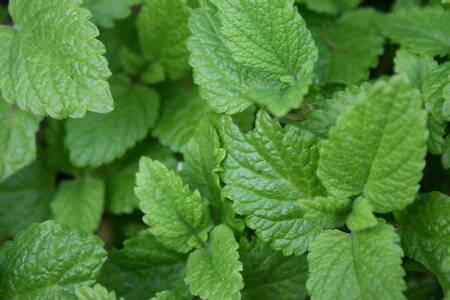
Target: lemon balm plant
{"x":224,"y":149}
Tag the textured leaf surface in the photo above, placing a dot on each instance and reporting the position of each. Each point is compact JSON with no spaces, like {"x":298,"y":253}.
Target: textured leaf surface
{"x":178,"y":217}
{"x":221,"y":79}
{"x":142,"y":268}
{"x":104,"y":12}
{"x":79,"y":203}
{"x":48,"y":261}
{"x":163,"y":31}
{"x":348,"y":47}
{"x":164,"y":295}
{"x":120,"y":182}
{"x":229,"y":45}
{"x":433,"y":91}
{"x":421,"y":72}
{"x":25,"y":197}
{"x":377,"y":149}
{"x":180,"y":115}
{"x":325,"y":212}
{"x":425,"y":232}
{"x":276,"y":46}
{"x":97,"y":292}
{"x":416,"y":67}
{"x":59,"y":72}
{"x":331,"y":6}
{"x":271,"y":275}
{"x":365,"y":265}
{"x":420,"y":30}
{"x":214,"y":273}
{"x":100,"y":138}
{"x":17,"y":139}
{"x":267,"y":171}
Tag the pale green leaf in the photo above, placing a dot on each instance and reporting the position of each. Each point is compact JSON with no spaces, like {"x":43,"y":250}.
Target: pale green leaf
{"x":433,"y":90}
{"x":377,"y":148}
{"x":164,"y":295}
{"x":419,"y":30}
{"x":49,"y":261}
{"x":361,"y":217}
{"x":222,"y":80}
{"x":59,"y":72}
{"x":269,"y":274}
{"x":279,"y":54}
{"x":214,"y":273}
{"x":121,"y":179}
{"x":267,"y":171}
{"x":17,"y":139}
{"x":104,"y":12}
{"x":178,"y":217}
{"x":144,"y":267}
{"x":356,"y":266}
{"x":100,"y":138}
{"x":203,"y":156}
{"x":331,"y":6}
{"x":180,"y":115}
{"x":97,"y":292}
{"x":421,"y":71}
{"x":425,"y":232}
{"x":79,"y":203}
{"x":348,"y":46}
{"x":416,"y":67}
{"x":325,"y":212}
{"x":275,"y":47}
{"x":163,"y":31}
{"x":25,"y":197}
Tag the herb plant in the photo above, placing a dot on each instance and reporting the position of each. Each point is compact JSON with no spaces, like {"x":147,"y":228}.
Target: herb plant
{"x":224,"y":149}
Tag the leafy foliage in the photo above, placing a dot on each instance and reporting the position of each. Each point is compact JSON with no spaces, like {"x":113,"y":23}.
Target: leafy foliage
{"x":232,"y":149}
{"x":60,"y":73}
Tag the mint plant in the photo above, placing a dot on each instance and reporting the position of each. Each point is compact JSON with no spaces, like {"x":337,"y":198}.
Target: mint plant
{"x":224,"y":149}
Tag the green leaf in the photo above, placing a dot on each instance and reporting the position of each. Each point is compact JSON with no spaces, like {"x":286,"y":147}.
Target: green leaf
{"x":100,"y":138}
{"x":416,"y":67}
{"x":322,"y":118}
{"x":142,"y":268}
{"x":104,"y":12}
{"x":86,"y":197}
{"x":3,"y":14}
{"x":97,"y":292}
{"x":271,"y":275}
{"x":59,"y":72}
{"x":267,"y":171}
{"x":178,"y":217}
{"x":180,"y":115}
{"x":202,"y":158}
{"x":165,"y":295}
{"x":364,"y":265}
{"x":17,"y":139}
{"x":425,"y":233}
{"x":419,"y":30}
{"x":423,"y":73}
{"x":121,"y":179}
{"x":433,"y":91}
{"x":377,"y":148}
{"x":361,"y":217}
{"x":49,"y":261}
{"x":276,"y":47}
{"x":325,"y":212}
{"x":220,"y":78}
{"x":348,"y":46}
{"x":25,"y":197}
{"x":163,"y":31}
{"x":214,"y":273}
{"x":446,"y":153}
{"x":331,"y":6}
{"x":280,"y":54}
